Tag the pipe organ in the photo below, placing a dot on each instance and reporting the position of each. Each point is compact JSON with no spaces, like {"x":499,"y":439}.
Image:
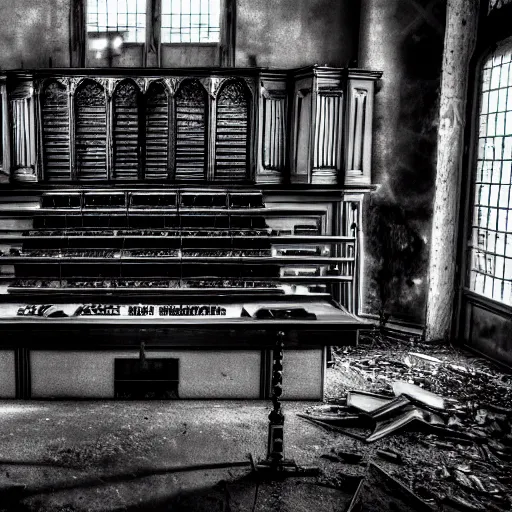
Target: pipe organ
{"x":160,"y":227}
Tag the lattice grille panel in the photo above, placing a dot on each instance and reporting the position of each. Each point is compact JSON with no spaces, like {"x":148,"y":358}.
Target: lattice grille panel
{"x":126,"y":131}
{"x":232,"y":136}
{"x":191,"y":131}
{"x":91,"y":131}
{"x":55,"y":121}
{"x":157,"y":132}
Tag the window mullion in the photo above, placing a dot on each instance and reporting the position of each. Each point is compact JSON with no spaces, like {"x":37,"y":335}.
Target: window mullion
{"x":153,"y":23}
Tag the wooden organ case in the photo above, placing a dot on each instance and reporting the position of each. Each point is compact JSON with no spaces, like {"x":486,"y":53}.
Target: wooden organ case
{"x":159,"y":227}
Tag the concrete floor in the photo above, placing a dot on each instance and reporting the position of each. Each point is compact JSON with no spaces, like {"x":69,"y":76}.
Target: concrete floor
{"x":113,"y":456}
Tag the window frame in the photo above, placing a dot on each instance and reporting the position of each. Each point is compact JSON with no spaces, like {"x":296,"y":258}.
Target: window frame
{"x":153,"y":50}
{"x":493,"y":29}
{"x":469,"y":250}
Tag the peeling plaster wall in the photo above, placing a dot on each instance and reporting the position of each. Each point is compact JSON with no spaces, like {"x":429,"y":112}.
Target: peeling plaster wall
{"x":403,"y":38}
{"x":295,"y":33}
{"x":33,"y":32}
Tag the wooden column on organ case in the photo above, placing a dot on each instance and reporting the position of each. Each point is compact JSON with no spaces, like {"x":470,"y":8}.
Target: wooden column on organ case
{"x":272,"y":126}
{"x":317,"y":135}
{"x":5,"y":130}
{"x":327,"y":127}
{"x":358,"y":126}
{"x":23,"y":141}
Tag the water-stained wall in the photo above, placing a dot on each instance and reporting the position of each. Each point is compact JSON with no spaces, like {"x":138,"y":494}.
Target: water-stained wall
{"x":404,"y":38}
{"x":34,"y":33}
{"x":295,"y":33}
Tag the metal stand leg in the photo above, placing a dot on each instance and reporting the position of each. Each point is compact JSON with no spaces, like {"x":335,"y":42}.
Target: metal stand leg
{"x":275,"y":465}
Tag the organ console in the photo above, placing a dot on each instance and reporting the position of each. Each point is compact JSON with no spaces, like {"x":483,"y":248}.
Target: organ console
{"x":194,"y":214}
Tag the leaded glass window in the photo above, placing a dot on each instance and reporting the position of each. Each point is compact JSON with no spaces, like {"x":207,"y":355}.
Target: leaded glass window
{"x":491,"y":243}
{"x":190,"y":21}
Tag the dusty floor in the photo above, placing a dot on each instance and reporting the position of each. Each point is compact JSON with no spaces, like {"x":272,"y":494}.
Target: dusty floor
{"x":124,"y":456}
{"x":119,"y":456}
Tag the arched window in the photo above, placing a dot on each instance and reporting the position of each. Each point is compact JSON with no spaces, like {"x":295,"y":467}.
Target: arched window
{"x":157,"y":132}
{"x":232,"y":133}
{"x":55,"y":132}
{"x":126,"y":131}
{"x":491,"y":242}
{"x":91,"y":131}
{"x":190,"y":160}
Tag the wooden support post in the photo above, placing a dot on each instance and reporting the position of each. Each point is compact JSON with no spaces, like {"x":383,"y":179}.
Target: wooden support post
{"x":459,"y":44}
{"x":275,"y":465}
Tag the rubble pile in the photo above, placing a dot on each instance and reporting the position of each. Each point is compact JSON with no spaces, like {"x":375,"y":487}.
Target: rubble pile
{"x":436,"y":419}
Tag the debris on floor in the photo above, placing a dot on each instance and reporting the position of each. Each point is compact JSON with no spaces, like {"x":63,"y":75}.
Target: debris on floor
{"x":380,"y":492}
{"x":436,"y":419}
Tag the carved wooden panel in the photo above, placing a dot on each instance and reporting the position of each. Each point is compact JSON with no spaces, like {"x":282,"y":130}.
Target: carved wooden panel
{"x":55,"y":125}
{"x":24,"y":139}
{"x":191,"y":103}
{"x":126,"y":131}
{"x":359,"y":131}
{"x":232,"y":134}
{"x":302,"y":135}
{"x":327,"y":140}
{"x":274,"y":132}
{"x":157,"y":132}
{"x":91,"y":131}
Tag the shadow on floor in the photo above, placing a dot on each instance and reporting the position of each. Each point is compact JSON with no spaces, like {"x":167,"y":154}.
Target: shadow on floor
{"x":242,"y":494}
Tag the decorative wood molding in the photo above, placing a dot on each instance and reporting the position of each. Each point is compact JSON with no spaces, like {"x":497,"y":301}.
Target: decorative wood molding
{"x":108,"y":85}
{"x":327,"y":157}
{"x":74,"y":82}
{"x":272,"y":122}
{"x":173,"y":84}
{"x":274,"y":132}
{"x":215,"y":85}
{"x":24,"y":155}
{"x":6,"y":131}
{"x":141,"y":84}
{"x":359,"y":132}
{"x":311,"y":125}
{"x":251,"y":83}
{"x":272,"y":93}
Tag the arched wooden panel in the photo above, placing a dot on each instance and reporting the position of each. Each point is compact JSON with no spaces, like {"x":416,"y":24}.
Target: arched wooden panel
{"x":91,"y":131}
{"x":55,"y":128}
{"x":191,"y":102}
{"x":232,"y":134}
{"x":157,"y":132}
{"x":126,"y":131}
